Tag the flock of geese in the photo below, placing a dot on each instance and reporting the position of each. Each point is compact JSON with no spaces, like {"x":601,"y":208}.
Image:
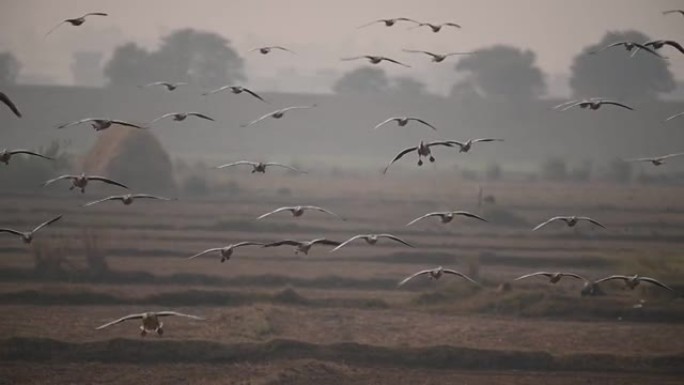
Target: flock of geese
{"x":151,"y":320}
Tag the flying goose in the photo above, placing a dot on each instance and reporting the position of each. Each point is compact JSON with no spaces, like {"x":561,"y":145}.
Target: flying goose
{"x":437,"y":27}
{"x":277,"y":114}
{"x":422,"y":149}
{"x":226,"y":251}
{"x":436,"y":57}
{"x":298,"y":211}
{"x":657,"y":161}
{"x":150,"y":321}
{"x":592,"y":104}
{"x":465,"y":146}
{"x":100,"y":124}
{"x":236,"y":90}
{"x":268,"y":49}
{"x":571,"y":221}
{"x":8,"y":102}
{"x":436,"y":274}
{"x":375,"y":59}
{"x":27,"y":236}
{"x":6,"y":155}
{"x":553,"y":277}
{"x":388,"y":22}
{"x":632,"y":281}
{"x":259,"y":166}
{"x":447,"y":216}
{"x":303,"y":247}
{"x":81,"y":181}
{"x":679,"y":11}
{"x":629,"y":46}
{"x":372,"y":239}
{"x":403,"y":121}
{"x":76,"y":21}
{"x":127,"y":199}
{"x":181,"y":116}
{"x":168,"y":85}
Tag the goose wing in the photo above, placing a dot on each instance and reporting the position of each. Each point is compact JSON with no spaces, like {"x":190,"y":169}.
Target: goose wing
{"x":573,"y":275}
{"x":260,"y":118}
{"x":10,"y":104}
{"x":297,"y":108}
{"x":371,"y":23}
{"x":410,"y":277}
{"x":622,"y":277}
{"x":394,"y":118}
{"x":544,"y":273}
{"x":539,"y":226}
{"x":458,"y":273}
{"x":54,"y":28}
{"x":106,"y":180}
{"x":120,"y":320}
{"x":27,"y":152}
{"x":149,"y":196}
{"x":672,"y":155}
{"x":452,"y":25}
{"x":109,"y":198}
{"x":395,"y":238}
{"x":486,"y":140}
{"x":223,"y":88}
{"x":399,"y":156}
{"x":649,"y":50}
{"x":419,"y":120}
{"x":281,"y":48}
{"x":269,"y":164}
{"x":124,"y":123}
{"x":681,"y":12}
{"x":161,"y":117}
{"x":352,"y":239}
{"x":609,"y":46}
{"x":247,"y":90}
{"x":12,"y":231}
{"x":324,"y":241}
{"x":321,"y":209}
{"x":657,"y":283}
{"x":177,"y":314}
{"x":288,"y":242}
{"x":436,"y":214}
{"x":47,"y":223}
{"x":421,"y":51}
{"x":238,"y":163}
{"x":53,"y":180}
{"x":207,"y":251}
{"x":675,"y":45}
{"x":395,"y":62}
{"x":675,"y":116}
{"x":153,"y":84}
{"x":247,"y":243}
{"x":95,"y":14}
{"x":84,"y":120}
{"x":200,"y":115}
{"x":286,"y":208}
{"x":469,"y":215}
{"x":590,"y":220}
{"x":355,"y":58}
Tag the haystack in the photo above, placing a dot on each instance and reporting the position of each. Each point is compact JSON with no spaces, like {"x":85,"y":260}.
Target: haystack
{"x":132,"y":156}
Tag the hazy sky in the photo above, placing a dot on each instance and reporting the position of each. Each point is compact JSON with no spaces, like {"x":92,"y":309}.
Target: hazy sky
{"x":322,"y":31}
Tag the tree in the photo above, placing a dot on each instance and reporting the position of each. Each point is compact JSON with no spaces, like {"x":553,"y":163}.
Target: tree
{"x":9,"y":68}
{"x":504,"y":72}
{"x":203,"y":58}
{"x":364,"y":80}
{"x":613,"y":73}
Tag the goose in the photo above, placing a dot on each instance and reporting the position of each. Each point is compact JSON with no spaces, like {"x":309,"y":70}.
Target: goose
{"x":76,"y":21}
{"x":553,"y":277}
{"x":675,"y":116}
{"x":27,"y":236}
{"x":422,"y":149}
{"x":372,"y":239}
{"x":298,"y":211}
{"x":226,"y":251}
{"x":403,"y":121}
{"x":168,"y":85}
{"x":303,"y":247}
{"x":632,"y":281}
{"x":656,"y":161}
{"x":236,"y":90}
{"x":150,"y":321}
{"x":259,"y":166}
{"x":629,"y":46}
{"x":437,"y":27}
{"x":268,"y":49}
{"x":679,"y":11}
{"x":375,"y":59}
{"x":592,"y":104}
{"x":10,"y":104}
{"x":99,"y":124}
{"x":436,"y":57}
{"x":127,"y":199}
{"x":436,"y":274}
{"x":277,"y":114}
{"x":571,"y":221}
{"x":447,"y":216}
{"x":181,"y":116}
{"x":81,"y":181}
{"x":6,"y":155}
{"x":388,"y":22}
{"x":465,"y":146}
